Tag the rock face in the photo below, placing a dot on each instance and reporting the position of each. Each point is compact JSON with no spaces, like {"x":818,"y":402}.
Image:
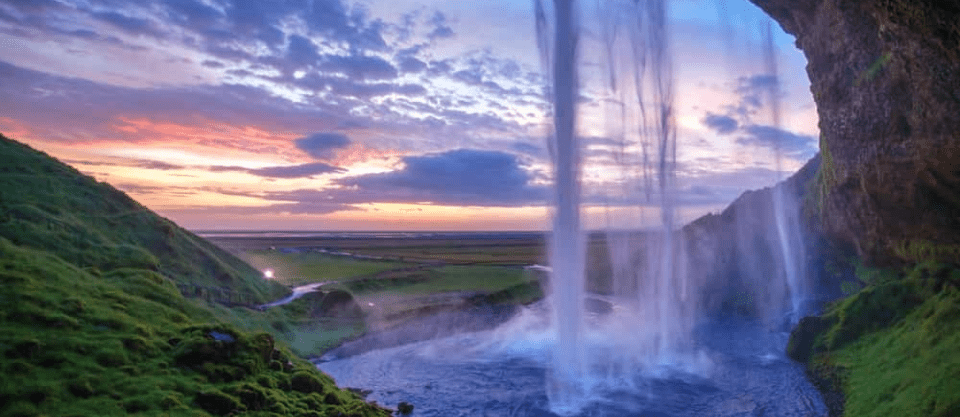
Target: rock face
{"x":885,"y":75}
{"x":735,"y":255}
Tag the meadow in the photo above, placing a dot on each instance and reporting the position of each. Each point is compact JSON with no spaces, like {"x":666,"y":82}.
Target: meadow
{"x":392,"y":280}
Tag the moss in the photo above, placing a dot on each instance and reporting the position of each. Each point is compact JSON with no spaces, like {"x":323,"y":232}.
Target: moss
{"x":891,"y":348}
{"x":306,"y":382}
{"x":118,"y":337}
{"x":825,"y":179}
{"x":217,"y":402}
{"x":926,"y":251}
{"x":871,"y":309}
{"x":54,"y":208}
{"x":910,"y":369}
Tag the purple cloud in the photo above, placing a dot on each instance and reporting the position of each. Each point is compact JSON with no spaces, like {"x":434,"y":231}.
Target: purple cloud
{"x":440,"y":28}
{"x":296,"y":171}
{"x":721,"y":124}
{"x":301,"y":51}
{"x":459,"y":177}
{"x":360,"y":67}
{"x":132,"y":25}
{"x":797,"y":146}
{"x":322,"y":145}
{"x":283,"y":171}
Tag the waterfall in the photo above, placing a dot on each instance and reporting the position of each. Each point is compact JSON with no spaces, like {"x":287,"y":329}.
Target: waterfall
{"x":655,"y":299}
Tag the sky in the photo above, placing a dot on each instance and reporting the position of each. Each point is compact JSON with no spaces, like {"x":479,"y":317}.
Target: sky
{"x":384,"y":114}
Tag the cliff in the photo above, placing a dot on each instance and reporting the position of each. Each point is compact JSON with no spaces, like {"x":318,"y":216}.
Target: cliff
{"x":886,"y":79}
{"x":885,"y":75}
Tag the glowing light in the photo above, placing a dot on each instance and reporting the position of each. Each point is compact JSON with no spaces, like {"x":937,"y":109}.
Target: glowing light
{"x":268,"y":274}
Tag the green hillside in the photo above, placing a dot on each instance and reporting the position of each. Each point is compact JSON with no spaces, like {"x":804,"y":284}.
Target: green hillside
{"x":52,"y":207}
{"x":94,"y":321}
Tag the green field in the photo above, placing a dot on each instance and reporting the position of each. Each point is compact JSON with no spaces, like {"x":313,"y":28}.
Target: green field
{"x":384,"y":289}
{"x":309,"y":267}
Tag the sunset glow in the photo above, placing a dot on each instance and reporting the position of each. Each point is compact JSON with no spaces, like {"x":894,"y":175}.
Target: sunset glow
{"x":370,"y":115}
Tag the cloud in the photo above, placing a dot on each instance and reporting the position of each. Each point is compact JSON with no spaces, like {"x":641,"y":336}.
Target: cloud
{"x":751,"y":90}
{"x":84,"y":108}
{"x":342,"y":87}
{"x":721,"y":124}
{"x":323,"y":145}
{"x":797,"y":146}
{"x":192,"y":13}
{"x":212,"y":64}
{"x":756,"y":82}
{"x":132,"y":25}
{"x":360,"y":67}
{"x":457,"y":177}
{"x":260,"y":19}
{"x":440,"y":28}
{"x":301,"y":51}
{"x":411,"y":64}
{"x":136,"y":163}
{"x":296,"y":171}
{"x":283,"y":171}
{"x":33,"y":6}
{"x":528,"y":148}
{"x":331,"y":18}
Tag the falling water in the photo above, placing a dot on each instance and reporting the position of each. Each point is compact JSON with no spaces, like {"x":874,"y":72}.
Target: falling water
{"x":784,"y":211}
{"x":653,"y":298}
{"x":567,"y":247}
{"x":656,"y":300}
{"x":647,"y":350}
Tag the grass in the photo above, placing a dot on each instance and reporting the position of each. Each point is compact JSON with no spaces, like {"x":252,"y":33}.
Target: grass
{"x":457,"y":252}
{"x":456,"y":278}
{"x":49,"y":206}
{"x":94,"y":321}
{"x":892,"y":348}
{"x":129,"y":343}
{"x":298,"y":268}
{"x":911,"y":368}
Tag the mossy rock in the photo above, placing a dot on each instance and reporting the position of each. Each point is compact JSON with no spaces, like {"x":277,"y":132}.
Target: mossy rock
{"x":306,"y":382}
{"x":803,"y":337}
{"x":217,"y":402}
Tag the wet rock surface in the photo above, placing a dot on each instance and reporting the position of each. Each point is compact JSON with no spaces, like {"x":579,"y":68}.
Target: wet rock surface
{"x":886,"y":79}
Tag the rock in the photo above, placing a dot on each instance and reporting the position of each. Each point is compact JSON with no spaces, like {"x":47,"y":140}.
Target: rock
{"x":404,"y":408}
{"x":335,"y":303}
{"x":802,"y":338}
{"x":886,"y":79}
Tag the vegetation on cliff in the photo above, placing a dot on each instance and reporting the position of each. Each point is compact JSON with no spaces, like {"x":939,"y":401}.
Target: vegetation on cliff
{"x":890,"y":349}
{"x":95,"y":321}
{"x":890,"y":346}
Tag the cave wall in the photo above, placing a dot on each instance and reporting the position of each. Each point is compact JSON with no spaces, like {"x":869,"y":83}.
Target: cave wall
{"x":885,"y":75}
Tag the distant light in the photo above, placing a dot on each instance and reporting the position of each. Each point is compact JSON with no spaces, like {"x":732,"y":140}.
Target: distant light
{"x":268,"y":274}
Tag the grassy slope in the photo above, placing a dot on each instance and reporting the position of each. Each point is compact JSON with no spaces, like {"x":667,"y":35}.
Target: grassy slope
{"x":49,"y":206}
{"x":893,"y":348}
{"x":94,"y":322}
